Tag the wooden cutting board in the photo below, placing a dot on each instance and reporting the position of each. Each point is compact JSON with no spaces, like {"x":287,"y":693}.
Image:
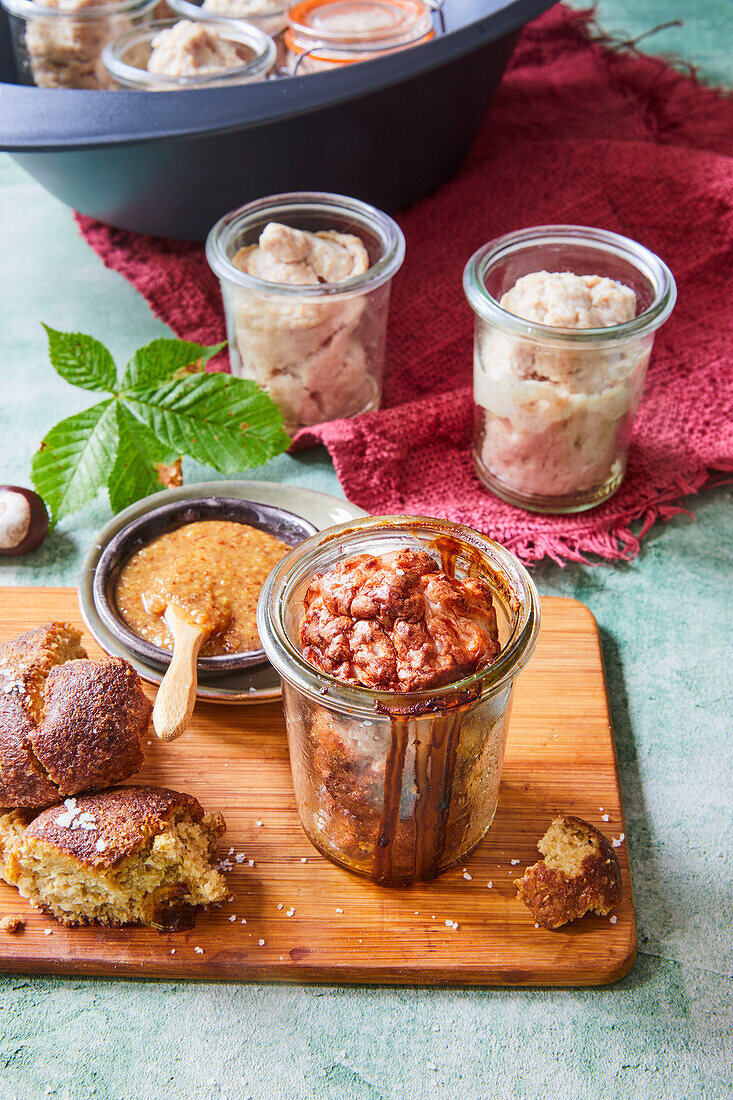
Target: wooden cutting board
{"x":296,"y":917}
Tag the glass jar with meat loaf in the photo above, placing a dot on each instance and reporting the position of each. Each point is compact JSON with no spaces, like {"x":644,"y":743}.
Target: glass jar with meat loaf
{"x":398,"y":640}
{"x":305,"y":279}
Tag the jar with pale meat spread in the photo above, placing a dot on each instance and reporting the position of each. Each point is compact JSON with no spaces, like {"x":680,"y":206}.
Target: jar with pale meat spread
{"x":305,"y":279}
{"x":59,"y":43}
{"x":326,"y":34}
{"x":268,"y":15}
{"x":565,"y":318}
{"x":398,"y":641}
{"x":175,"y":55}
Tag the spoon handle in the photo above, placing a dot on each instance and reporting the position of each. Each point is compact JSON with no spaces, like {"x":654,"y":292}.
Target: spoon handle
{"x":177,"y":692}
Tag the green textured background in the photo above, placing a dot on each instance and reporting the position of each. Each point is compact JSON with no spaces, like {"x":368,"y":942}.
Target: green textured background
{"x":663,"y":1032}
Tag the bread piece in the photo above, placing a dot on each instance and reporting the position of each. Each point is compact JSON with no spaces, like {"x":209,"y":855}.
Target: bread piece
{"x":67,"y":724}
{"x":579,"y":874}
{"x":126,"y":855}
{"x":12,"y":826}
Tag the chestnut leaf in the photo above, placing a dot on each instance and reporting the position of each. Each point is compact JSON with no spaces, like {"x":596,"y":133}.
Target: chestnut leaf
{"x":134,"y":474}
{"x":158,"y":412}
{"x":228,"y":423}
{"x":75,"y":460}
{"x":81,"y":360}
{"x":159,"y":361}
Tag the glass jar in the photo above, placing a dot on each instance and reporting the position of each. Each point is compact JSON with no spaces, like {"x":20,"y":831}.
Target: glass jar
{"x":318,"y":350}
{"x":397,"y":787}
{"x":554,"y":407}
{"x":323,"y":34}
{"x":126,"y":58}
{"x":60,"y":45}
{"x":268,"y":15}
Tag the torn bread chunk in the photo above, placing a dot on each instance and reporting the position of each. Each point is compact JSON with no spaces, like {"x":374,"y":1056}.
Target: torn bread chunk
{"x":579,"y":874}
{"x":67,"y":724}
{"x":129,"y":855}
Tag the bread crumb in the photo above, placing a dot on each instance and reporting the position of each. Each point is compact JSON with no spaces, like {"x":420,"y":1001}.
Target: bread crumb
{"x":12,"y":923}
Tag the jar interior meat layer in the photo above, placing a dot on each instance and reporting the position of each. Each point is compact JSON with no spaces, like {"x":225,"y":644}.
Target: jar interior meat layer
{"x":398,"y":786}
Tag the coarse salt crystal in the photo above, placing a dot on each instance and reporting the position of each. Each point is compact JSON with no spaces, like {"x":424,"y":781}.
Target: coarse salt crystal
{"x":613,"y":919}
{"x":48,"y":931}
{"x":173,"y":950}
{"x":289,"y":912}
{"x":619,"y":842}
{"x":243,"y":921}
{"x":239,"y":858}
{"x":101,"y":845}
{"x":250,"y":862}
{"x":259,"y":824}
{"x":339,"y":910}
{"x":467,"y":877}
{"x":199,"y":950}
{"x":489,"y":885}
{"x":606,"y":817}
{"x":233,"y":917}
{"x":280,"y":905}
{"x":261,"y":943}
{"x":230,"y":852}
{"x":514,"y":862}
{"x":449,"y":924}
{"x":303,"y":859}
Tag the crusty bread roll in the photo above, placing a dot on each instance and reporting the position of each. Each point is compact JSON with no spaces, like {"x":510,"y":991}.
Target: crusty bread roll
{"x":580,"y":874}
{"x":127,"y":855}
{"x":67,"y":724}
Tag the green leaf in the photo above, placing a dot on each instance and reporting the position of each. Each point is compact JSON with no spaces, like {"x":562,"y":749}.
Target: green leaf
{"x":159,"y":361}
{"x":81,"y":360}
{"x":229,"y":423}
{"x":134,"y":475}
{"x":75,"y":459}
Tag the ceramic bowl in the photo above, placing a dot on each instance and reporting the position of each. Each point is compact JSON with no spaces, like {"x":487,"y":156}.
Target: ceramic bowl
{"x":278,"y":522}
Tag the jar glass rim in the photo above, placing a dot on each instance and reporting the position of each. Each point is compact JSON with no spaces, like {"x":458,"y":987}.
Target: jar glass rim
{"x":28,"y":9}
{"x":649,"y":265}
{"x":192,"y":10}
{"x":292,"y":666}
{"x":288,"y":204}
{"x":134,"y":77}
{"x":416,"y":18}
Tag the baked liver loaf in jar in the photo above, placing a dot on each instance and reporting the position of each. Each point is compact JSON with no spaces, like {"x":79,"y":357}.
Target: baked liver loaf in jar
{"x":565,"y":321}
{"x":59,"y":43}
{"x":305,"y":280}
{"x":398,"y":640}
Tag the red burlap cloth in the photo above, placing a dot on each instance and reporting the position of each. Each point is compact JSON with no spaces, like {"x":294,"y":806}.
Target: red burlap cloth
{"x":579,"y":132}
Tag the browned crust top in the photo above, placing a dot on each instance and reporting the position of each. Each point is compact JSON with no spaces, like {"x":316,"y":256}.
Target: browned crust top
{"x":96,"y":716}
{"x":555,"y":897}
{"x":67,"y":724}
{"x":26,"y":661}
{"x":102,"y":829}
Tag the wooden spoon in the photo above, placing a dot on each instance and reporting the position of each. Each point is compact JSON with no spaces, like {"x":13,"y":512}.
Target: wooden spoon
{"x":177,"y":692}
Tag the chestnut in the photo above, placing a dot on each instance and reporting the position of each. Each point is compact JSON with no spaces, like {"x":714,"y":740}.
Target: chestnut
{"x":23,"y":520}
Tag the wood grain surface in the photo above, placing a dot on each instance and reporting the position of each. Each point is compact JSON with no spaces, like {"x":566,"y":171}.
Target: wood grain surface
{"x":296,"y":917}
